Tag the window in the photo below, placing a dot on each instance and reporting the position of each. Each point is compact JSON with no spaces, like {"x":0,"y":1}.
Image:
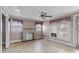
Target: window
{"x":63,"y":30}
{"x":38,"y":27}
{"x":17,"y":26}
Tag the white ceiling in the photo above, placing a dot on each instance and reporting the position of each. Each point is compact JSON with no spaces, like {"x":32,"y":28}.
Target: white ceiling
{"x":33,"y":12}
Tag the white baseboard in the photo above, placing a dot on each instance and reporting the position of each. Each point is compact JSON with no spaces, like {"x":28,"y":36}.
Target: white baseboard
{"x":14,"y":41}
{"x":69,"y":44}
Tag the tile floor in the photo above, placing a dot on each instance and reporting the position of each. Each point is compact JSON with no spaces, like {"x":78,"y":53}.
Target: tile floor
{"x":39,"y":46}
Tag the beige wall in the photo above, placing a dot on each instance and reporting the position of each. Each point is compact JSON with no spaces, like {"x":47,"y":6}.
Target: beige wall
{"x":28,"y":24}
{"x":15,"y":36}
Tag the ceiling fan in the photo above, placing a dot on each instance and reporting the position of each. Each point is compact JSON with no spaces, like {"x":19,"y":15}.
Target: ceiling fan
{"x":43,"y":15}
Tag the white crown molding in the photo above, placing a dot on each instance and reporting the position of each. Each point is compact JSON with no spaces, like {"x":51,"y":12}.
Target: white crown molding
{"x":5,"y":11}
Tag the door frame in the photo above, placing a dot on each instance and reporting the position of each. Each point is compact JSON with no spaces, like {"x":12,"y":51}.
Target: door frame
{"x":75,"y":34}
{"x":77,"y":45}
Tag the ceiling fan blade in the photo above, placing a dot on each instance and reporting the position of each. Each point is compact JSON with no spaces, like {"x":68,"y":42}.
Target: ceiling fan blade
{"x":44,"y":14}
{"x":48,"y":16}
